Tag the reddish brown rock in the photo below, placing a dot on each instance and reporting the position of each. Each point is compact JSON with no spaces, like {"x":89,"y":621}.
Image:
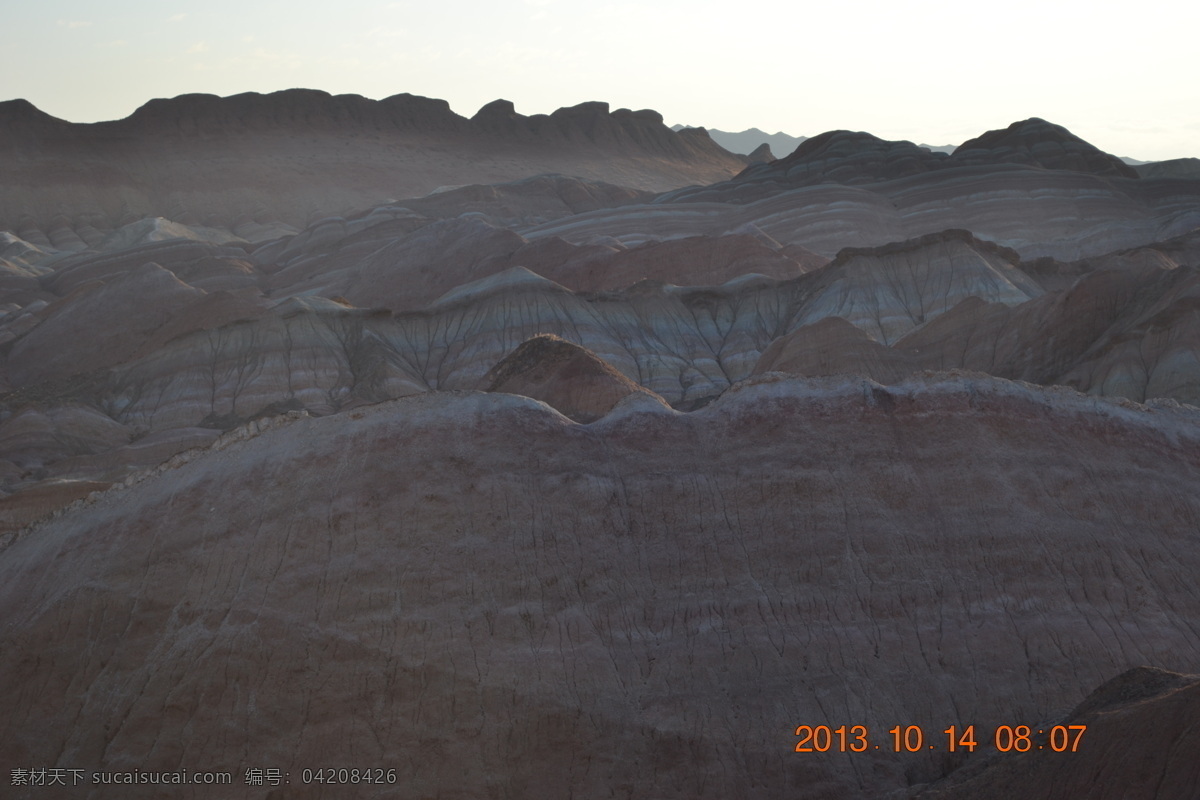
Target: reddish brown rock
{"x":38,"y":501}
{"x":563,"y":375}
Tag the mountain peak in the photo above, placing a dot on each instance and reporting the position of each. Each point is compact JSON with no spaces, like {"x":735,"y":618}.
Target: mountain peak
{"x":20,"y":114}
{"x":838,"y":139}
{"x":1036,"y":142}
{"x":855,"y":157}
{"x":761,"y":155}
{"x":20,"y":108}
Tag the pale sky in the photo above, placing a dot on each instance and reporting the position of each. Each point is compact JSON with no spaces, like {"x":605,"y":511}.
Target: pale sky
{"x":1124,"y":76}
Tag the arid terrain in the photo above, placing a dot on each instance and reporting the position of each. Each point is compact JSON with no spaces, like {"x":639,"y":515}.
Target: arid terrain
{"x":574,"y":456}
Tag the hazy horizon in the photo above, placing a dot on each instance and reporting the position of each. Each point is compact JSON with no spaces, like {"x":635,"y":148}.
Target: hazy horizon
{"x":934,"y":72}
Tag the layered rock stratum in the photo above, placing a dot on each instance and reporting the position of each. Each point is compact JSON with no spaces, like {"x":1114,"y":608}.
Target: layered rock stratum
{"x":491,"y":599}
{"x":600,"y":463}
{"x":1034,"y":187}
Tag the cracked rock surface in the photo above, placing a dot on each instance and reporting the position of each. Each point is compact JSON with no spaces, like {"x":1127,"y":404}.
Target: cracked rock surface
{"x":496,"y":601}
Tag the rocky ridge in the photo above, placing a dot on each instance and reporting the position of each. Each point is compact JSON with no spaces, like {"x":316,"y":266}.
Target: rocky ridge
{"x":280,"y":328}
{"x":292,"y":157}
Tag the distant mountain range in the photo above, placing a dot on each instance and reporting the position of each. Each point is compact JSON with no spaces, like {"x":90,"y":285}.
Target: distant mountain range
{"x":747,"y":141}
{"x":1174,"y":168}
{"x":781,"y":144}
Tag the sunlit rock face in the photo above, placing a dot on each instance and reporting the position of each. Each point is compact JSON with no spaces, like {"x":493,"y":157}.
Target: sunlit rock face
{"x":648,"y":595}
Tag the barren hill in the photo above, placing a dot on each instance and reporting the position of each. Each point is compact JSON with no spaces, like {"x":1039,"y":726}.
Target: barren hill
{"x":299,"y":155}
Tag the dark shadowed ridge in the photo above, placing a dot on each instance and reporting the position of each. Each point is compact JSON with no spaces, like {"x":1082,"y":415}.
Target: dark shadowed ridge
{"x":852,"y":157}
{"x":297,"y":156}
{"x":1037,"y":142}
{"x":310,"y":109}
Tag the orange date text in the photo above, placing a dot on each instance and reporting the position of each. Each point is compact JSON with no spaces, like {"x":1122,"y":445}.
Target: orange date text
{"x":914,"y":739}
